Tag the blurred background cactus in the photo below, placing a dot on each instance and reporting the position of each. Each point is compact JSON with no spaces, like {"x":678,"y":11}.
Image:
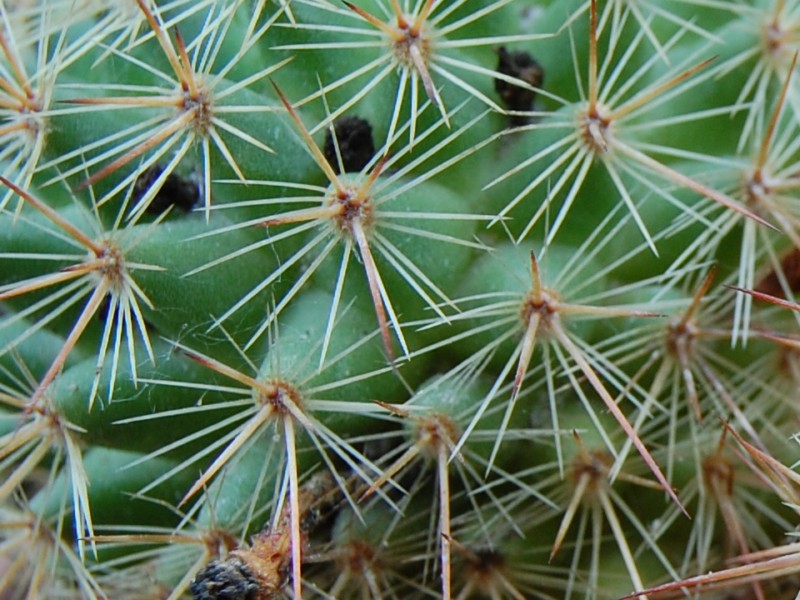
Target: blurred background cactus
{"x":399,"y":299}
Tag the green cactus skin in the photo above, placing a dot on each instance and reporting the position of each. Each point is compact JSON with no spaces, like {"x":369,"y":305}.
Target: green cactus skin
{"x":504,"y":359}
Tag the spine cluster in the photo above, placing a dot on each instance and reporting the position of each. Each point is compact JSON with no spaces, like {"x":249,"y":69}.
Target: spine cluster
{"x":399,"y":299}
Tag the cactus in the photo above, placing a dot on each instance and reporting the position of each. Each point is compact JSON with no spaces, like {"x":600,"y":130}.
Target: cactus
{"x":398,"y":299}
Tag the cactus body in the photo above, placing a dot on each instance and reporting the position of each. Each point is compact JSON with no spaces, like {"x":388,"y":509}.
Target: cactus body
{"x":391,"y":299}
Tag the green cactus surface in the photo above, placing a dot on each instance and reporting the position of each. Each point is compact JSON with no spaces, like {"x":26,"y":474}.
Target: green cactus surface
{"x":399,"y":299}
